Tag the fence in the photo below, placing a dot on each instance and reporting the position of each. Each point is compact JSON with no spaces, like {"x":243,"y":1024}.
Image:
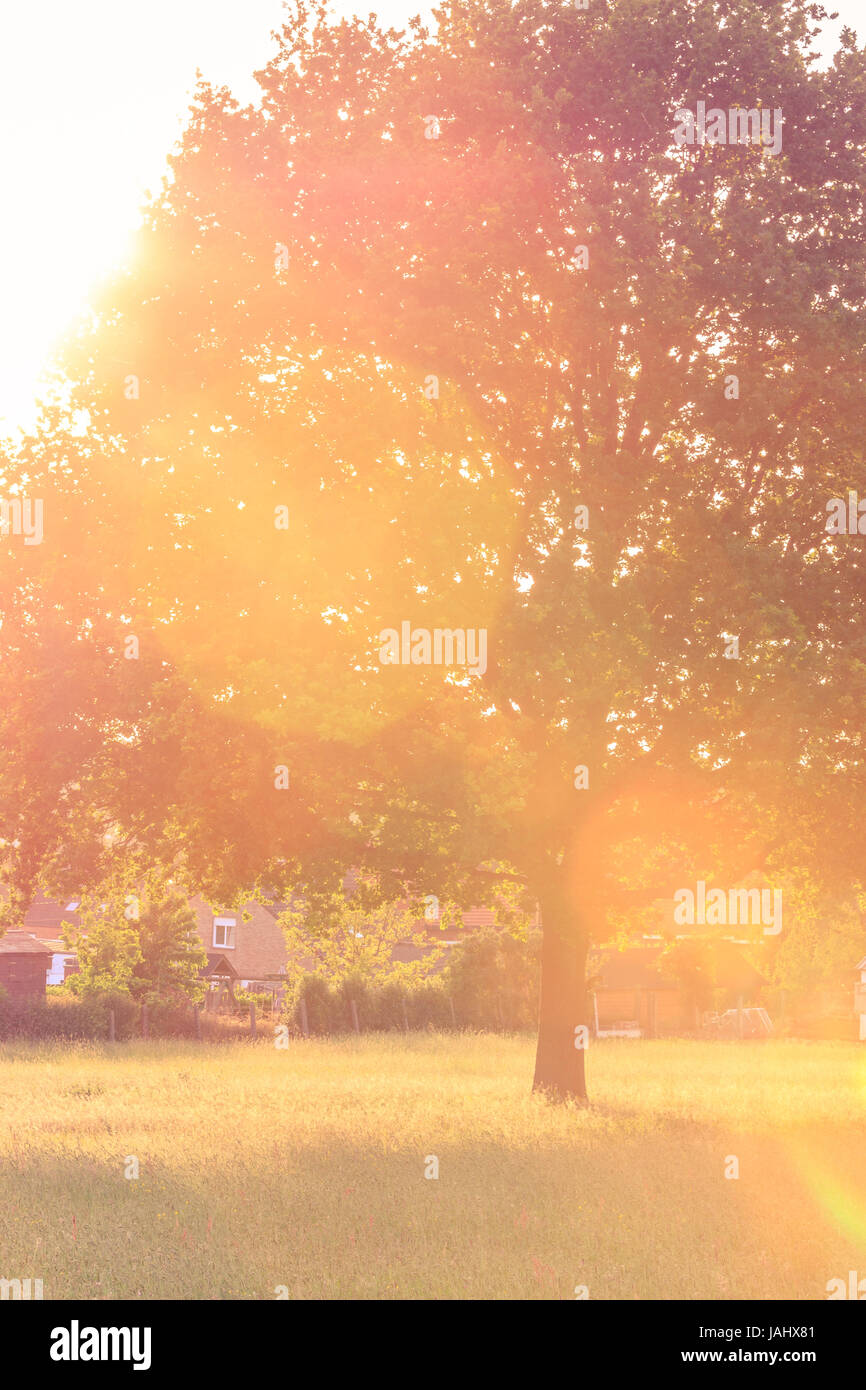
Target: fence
{"x":314,"y":1010}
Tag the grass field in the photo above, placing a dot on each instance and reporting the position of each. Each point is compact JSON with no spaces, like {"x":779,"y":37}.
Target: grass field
{"x":304,"y":1168}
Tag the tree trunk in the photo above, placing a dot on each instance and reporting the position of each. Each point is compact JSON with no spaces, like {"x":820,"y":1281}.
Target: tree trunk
{"x":563,"y":1007}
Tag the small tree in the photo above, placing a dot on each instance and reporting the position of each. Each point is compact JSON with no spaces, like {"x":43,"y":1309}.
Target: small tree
{"x":106,"y":943}
{"x":341,"y":936}
{"x":140,"y":943}
{"x":172,"y":956}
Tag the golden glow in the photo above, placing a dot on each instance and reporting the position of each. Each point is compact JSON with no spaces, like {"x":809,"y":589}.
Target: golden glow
{"x":92,"y":98}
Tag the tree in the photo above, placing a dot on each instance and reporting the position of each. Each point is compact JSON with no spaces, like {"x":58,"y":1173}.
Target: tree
{"x":826,"y":942}
{"x":492,"y":977}
{"x":450,"y":330}
{"x":140,"y":939}
{"x":350,"y":934}
{"x":172,"y":956}
{"x":108,"y":951}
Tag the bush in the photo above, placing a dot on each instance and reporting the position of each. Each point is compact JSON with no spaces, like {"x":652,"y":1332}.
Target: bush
{"x":323,"y":1009}
{"x":491,"y":981}
{"x":430,"y":1006}
{"x":493,"y":978}
{"x":47,"y":1018}
{"x":389,"y":1003}
{"x":64,"y":1015}
{"x":244,"y":997}
{"x":354,"y":990}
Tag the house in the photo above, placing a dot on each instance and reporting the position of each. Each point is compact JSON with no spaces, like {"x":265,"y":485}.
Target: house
{"x":63,"y":962}
{"x":24,"y":962}
{"x":45,"y":917}
{"x":638,"y":994}
{"x":245,"y":947}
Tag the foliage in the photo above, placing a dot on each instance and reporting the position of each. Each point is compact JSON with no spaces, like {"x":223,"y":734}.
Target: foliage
{"x":172,"y":956}
{"x":261,"y":999}
{"x":395,"y":1004}
{"x":687,"y":962}
{"x":297,"y":381}
{"x":344,"y":935}
{"x":825,"y":941}
{"x":141,"y":943}
{"x":493,"y":978}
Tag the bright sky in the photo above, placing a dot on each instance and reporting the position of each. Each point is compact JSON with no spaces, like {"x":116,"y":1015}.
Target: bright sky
{"x":93,"y":95}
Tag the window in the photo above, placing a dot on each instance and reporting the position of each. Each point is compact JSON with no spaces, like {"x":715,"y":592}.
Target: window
{"x":224,"y":932}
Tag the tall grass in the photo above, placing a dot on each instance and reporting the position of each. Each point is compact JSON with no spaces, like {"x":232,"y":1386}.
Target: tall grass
{"x":305,"y":1168}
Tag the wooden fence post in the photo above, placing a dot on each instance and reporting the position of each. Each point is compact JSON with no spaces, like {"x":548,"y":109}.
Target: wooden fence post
{"x":145,"y":1031}
{"x":453,"y":1015}
{"x":197,"y":1015}
{"x":111,"y":1025}
{"x":405,"y":1016}
{"x":252,"y":1019}
{"x":305,"y":1022}
{"x":356,"y":1025}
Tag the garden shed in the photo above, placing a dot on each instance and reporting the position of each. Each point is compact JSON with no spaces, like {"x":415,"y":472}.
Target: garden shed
{"x":638,"y":993}
{"x":24,"y":963}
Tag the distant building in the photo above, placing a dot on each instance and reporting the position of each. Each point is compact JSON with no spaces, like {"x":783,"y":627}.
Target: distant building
{"x":63,"y":963}
{"x":244,"y":946}
{"x":24,"y":963}
{"x":636,"y":994}
{"x":45,"y":917}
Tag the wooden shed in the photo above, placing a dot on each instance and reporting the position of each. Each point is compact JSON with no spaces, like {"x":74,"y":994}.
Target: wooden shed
{"x":637,"y":995}
{"x":24,"y":963}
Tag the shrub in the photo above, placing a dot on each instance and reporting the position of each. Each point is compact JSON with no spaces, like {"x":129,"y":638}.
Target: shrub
{"x":322,"y":1007}
{"x":245,"y":997}
{"x":493,"y":978}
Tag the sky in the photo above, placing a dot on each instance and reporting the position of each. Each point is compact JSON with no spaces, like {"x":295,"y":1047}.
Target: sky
{"x":93,"y":95}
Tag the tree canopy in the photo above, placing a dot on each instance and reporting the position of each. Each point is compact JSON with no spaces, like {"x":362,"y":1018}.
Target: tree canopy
{"x":449,"y":331}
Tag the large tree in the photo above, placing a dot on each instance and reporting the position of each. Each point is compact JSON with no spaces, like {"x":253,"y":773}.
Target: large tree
{"x":385,"y":335}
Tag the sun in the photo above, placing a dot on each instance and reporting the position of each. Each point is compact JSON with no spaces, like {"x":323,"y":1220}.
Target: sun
{"x":93,"y":97}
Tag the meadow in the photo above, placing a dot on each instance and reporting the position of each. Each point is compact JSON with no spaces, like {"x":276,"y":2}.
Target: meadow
{"x":304,"y":1169}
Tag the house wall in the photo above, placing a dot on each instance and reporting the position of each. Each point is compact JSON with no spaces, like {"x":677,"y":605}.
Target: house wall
{"x":667,"y":1013}
{"x":673,"y":1011}
{"x":23,"y":977}
{"x":259,"y":946}
{"x":617,"y":1005}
